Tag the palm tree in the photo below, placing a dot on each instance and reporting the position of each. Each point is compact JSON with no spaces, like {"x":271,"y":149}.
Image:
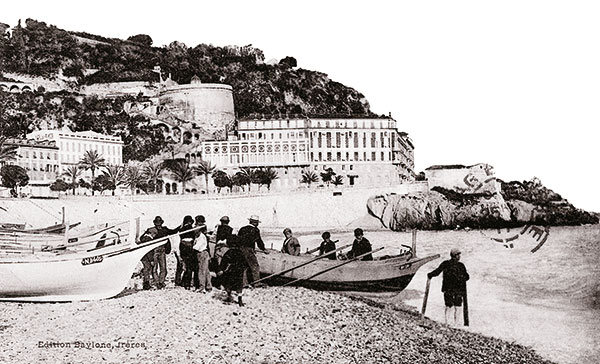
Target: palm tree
{"x":182,"y":172}
{"x":92,"y":160}
{"x":309,"y":177}
{"x":241,"y":179}
{"x":73,"y":173}
{"x":338,"y":180}
{"x":267,"y":176}
{"x":205,"y":168}
{"x":7,"y":152}
{"x":153,"y":172}
{"x":252,"y":176}
{"x":133,"y":177}
{"x":115,"y":175}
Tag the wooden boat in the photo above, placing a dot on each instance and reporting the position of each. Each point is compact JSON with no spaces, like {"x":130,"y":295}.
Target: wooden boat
{"x":381,"y":275}
{"x":384,"y":274}
{"x":71,"y":276}
{"x":52,"y":229}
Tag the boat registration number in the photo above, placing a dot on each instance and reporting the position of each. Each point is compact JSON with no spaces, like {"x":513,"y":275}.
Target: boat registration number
{"x":92,"y":260}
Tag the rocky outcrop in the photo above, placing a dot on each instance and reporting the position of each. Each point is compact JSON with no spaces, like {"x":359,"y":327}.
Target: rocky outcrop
{"x":448,"y":209}
{"x":433,"y":210}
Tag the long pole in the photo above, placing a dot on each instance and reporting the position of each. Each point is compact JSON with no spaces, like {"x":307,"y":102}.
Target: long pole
{"x":332,"y":268}
{"x":466,"y":308}
{"x":316,"y":249}
{"x":301,"y":265}
{"x":425,"y":296}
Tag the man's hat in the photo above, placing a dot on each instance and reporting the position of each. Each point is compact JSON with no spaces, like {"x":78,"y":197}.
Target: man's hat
{"x":454,"y":252}
{"x":225,"y":219}
{"x":158,"y":220}
{"x":200,"y":219}
{"x":254,"y":218}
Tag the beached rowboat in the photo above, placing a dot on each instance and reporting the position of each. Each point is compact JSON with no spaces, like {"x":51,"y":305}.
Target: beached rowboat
{"x":380,"y":275}
{"x":71,"y":276}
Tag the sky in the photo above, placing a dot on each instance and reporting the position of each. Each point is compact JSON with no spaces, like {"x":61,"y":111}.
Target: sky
{"x":515,"y":84}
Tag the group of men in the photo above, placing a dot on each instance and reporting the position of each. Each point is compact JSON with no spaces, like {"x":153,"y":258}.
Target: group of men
{"x":193,"y":261}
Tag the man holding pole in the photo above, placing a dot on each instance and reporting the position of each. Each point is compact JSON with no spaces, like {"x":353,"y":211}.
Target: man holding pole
{"x":454,"y":283}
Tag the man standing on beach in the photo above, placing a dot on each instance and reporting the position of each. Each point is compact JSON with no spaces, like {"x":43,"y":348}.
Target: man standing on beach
{"x":453,"y":283}
{"x":249,"y":238}
{"x":360,"y":246}
{"x":224,"y":231}
{"x":159,"y":270}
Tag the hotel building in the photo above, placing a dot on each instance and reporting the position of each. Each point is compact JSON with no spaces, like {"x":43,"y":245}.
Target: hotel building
{"x":365,"y":151}
{"x":40,"y":160}
{"x":73,"y":145}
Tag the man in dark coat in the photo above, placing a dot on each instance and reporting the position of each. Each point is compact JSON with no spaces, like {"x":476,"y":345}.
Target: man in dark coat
{"x":224,"y":231}
{"x":360,"y":246}
{"x":231,"y":270}
{"x":327,"y":246}
{"x":249,"y":238}
{"x":454,"y":283}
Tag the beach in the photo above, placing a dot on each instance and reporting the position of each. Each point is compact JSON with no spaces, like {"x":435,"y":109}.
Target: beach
{"x":278,"y":325}
{"x":546,"y":301}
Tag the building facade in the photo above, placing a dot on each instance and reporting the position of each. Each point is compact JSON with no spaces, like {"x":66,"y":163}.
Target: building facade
{"x":41,"y":161}
{"x":364,"y":151}
{"x":73,"y":145}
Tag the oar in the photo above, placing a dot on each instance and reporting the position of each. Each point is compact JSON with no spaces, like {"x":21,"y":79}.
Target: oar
{"x":466,"y":308}
{"x":332,"y":268}
{"x":301,"y":265}
{"x":425,"y":296}
{"x":316,"y":249}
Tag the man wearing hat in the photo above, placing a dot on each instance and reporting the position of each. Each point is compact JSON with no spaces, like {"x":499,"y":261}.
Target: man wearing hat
{"x":224,"y":231}
{"x":453,"y":283}
{"x":158,"y":254}
{"x":249,"y":238}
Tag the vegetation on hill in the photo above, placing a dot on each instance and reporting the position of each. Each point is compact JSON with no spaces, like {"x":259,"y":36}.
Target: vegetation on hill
{"x":42,"y":50}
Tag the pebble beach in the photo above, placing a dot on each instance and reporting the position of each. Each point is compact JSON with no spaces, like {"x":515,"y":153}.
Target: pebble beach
{"x":277,"y":325}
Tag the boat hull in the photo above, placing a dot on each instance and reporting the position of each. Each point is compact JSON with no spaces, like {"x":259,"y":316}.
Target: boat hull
{"x":388,"y":275}
{"x":79,"y":276}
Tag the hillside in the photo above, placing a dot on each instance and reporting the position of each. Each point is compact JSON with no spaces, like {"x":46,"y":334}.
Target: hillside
{"x":47,"y":51}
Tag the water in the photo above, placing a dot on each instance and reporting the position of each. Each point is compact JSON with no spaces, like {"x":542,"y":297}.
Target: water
{"x":548,"y":300}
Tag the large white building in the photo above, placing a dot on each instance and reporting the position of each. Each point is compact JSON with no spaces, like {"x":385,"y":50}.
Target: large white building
{"x":73,"y":145}
{"x":365,"y":151}
{"x":40,"y":160}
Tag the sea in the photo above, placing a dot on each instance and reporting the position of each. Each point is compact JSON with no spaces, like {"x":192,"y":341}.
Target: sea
{"x":548,"y":299}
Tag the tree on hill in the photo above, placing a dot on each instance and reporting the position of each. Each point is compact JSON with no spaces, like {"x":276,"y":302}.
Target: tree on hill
{"x":289,"y":62}
{"x":7,"y":152}
{"x":72,"y":173}
{"x":142,"y":39}
{"x":13,"y":177}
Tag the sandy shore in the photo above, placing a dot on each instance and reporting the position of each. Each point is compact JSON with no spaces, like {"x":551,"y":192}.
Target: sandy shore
{"x":278,"y":325}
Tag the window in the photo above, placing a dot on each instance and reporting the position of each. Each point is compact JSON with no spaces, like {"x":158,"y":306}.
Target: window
{"x":364,"y":156}
{"x":34,"y":155}
{"x":373,"y":136}
{"x":351,"y":167}
{"x":364,"y":140}
{"x":355,"y":140}
{"x":320,"y":156}
{"x":338,"y":139}
{"x":343,"y":167}
{"x":382,"y":156}
{"x":347,"y":156}
{"x":320,"y":140}
{"x":338,"y":156}
{"x":328,"y":139}
{"x":355,"y":156}
{"x":382,"y":140}
{"x":328,"y":156}
{"x":347,"y":139}
{"x":373,"y":157}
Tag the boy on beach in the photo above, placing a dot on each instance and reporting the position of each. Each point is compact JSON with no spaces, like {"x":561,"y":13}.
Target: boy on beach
{"x":453,"y":283}
{"x":327,"y":245}
{"x":231,"y":270}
